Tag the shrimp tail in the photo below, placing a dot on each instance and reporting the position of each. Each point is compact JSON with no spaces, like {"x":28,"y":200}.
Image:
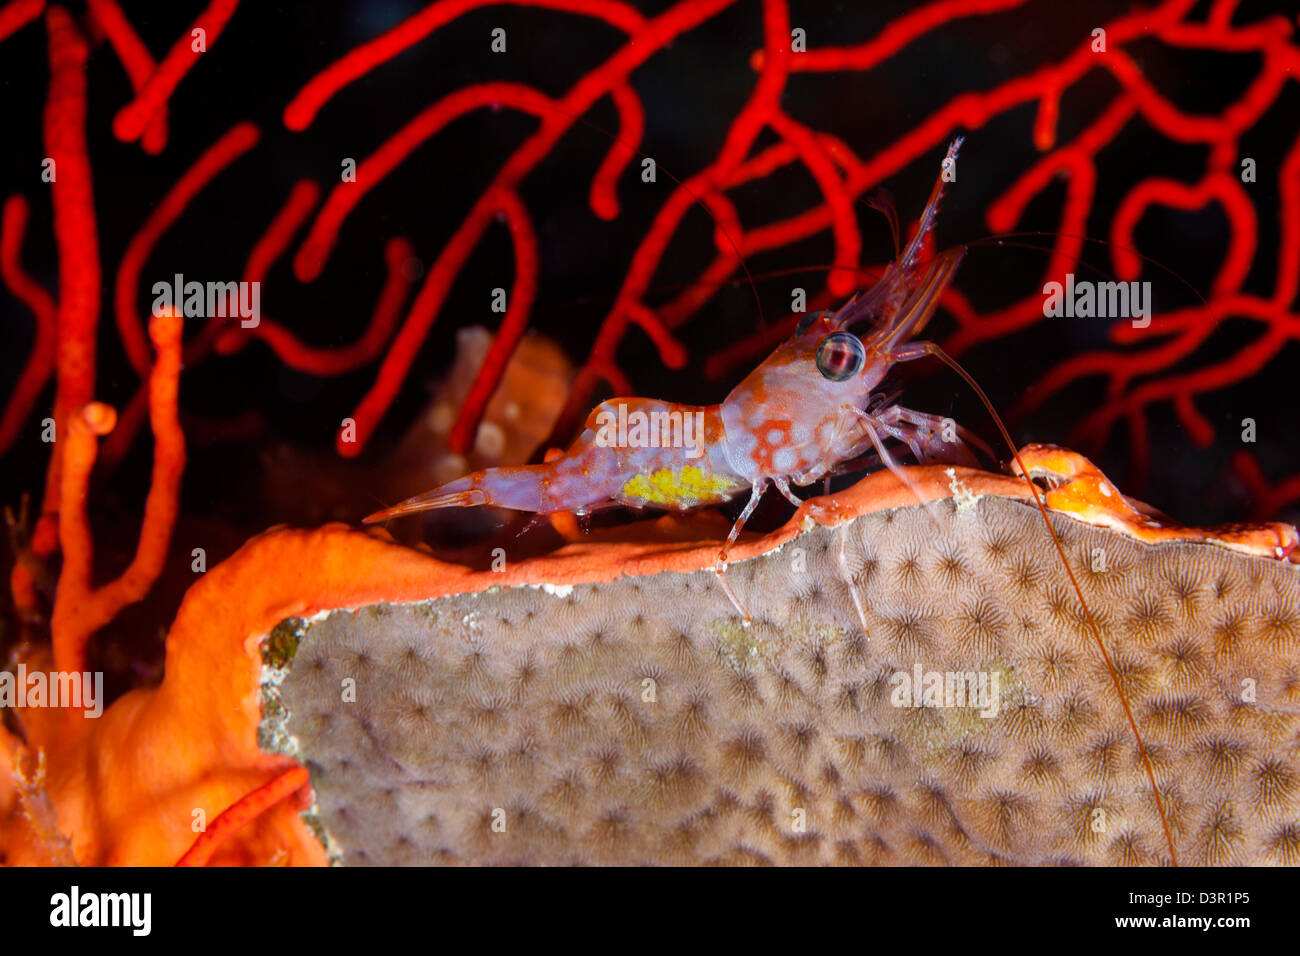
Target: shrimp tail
{"x":519,"y":487}
{"x":438,"y":498}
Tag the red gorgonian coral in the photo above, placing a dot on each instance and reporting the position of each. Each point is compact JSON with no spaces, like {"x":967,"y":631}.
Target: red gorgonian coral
{"x":1136,"y":370}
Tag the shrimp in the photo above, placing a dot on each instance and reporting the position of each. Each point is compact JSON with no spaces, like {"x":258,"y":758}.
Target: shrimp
{"x":802,"y":415}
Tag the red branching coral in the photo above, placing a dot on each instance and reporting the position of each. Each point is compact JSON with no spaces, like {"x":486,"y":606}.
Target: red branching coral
{"x":840,"y":174}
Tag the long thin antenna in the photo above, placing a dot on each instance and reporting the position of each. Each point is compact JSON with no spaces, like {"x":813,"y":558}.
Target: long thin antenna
{"x":933,"y":349}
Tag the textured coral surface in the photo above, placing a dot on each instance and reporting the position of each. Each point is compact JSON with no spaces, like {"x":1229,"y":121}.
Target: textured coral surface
{"x":636,"y":721}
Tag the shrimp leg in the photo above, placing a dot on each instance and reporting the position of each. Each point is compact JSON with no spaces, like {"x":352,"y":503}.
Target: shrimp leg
{"x":871,"y":423}
{"x":783,"y":486}
{"x":923,"y":434}
{"x":846,"y":575}
{"x":720,"y":569}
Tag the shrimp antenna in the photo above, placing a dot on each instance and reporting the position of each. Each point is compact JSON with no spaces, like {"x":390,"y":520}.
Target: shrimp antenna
{"x":998,"y":239}
{"x":933,"y":349}
{"x":881,"y":200}
{"x":903,"y":265}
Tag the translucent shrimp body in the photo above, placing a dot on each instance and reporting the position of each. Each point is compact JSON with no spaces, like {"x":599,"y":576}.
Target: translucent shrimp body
{"x":807,"y":410}
{"x":633,"y":452}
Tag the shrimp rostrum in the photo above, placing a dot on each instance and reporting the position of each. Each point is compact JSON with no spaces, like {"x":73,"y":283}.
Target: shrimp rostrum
{"x":812,"y":409}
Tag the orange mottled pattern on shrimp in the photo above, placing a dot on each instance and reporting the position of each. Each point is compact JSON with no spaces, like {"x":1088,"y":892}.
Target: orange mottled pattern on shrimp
{"x":809,"y":408}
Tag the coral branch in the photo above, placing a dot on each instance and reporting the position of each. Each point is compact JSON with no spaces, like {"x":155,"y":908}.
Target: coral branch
{"x":17,"y":14}
{"x":848,"y":243}
{"x":75,"y":234}
{"x":242,"y":812}
{"x":279,"y":233}
{"x":137,"y":61}
{"x":1288,"y":216}
{"x":896,"y":36}
{"x":758,"y":111}
{"x":1269,"y":498}
{"x":300,"y":113}
{"x":315,"y":249}
{"x":13,"y":226}
{"x":345,"y":358}
{"x":519,"y":305}
{"x":1166,"y":192}
{"x":604,"y":197}
{"x":132,"y":119}
{"x":238,"y":140}
{"x":80,"y":609}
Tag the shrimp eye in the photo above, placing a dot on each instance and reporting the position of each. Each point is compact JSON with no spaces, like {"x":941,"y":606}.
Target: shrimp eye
{"x":805,"y":323}
{"x":840,"y":356}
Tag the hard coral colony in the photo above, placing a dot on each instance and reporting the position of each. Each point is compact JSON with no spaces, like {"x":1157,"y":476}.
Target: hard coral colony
{"x":909,"y":670}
